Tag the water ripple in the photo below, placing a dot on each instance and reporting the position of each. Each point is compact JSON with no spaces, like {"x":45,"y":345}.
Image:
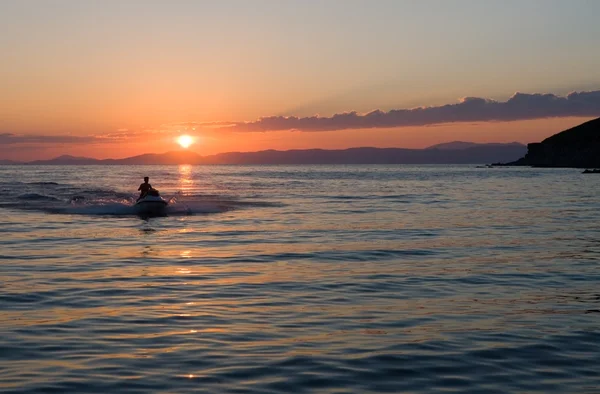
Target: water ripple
{"x":366,"y":279}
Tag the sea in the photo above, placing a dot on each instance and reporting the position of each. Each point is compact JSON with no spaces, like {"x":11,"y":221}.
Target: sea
{"x":300,"y":279}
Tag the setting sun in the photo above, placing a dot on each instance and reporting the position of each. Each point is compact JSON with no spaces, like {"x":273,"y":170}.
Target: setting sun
{"x":185,"y":141}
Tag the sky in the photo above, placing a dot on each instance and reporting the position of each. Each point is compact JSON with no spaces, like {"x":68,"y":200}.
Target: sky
{"x":112,"y":78}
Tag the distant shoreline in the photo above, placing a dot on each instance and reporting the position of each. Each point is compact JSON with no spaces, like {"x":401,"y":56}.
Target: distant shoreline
{"x":438,"y":154}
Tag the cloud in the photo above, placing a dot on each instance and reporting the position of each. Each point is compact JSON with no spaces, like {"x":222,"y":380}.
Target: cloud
{"x":10,"y":138}
{"x":163,"y":132}
{"x":521,"y":106}
{"x":120,"y":135}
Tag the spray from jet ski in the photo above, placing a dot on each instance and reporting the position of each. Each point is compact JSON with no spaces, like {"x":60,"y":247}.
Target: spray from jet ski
{"x":74,"y":199}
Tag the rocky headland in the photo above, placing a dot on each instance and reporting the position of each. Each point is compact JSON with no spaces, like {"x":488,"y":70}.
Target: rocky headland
{"x":577,"y":147}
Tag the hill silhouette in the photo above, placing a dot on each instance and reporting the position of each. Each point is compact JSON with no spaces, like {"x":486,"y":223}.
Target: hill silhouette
{"x":456,"y":145}
{"x":471,"y":154}
{"x":577,"y":147}
{"x":474,"y":155}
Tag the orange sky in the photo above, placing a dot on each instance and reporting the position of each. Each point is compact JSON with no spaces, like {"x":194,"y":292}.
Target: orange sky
{"x":116,"y":79}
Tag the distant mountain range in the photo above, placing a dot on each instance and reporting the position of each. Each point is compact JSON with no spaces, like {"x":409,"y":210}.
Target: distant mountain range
{"x":457,"y":145}
{"x":448,"y":153}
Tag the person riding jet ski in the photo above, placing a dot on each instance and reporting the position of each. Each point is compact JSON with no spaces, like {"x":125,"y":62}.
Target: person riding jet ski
{"x":144,"y":188}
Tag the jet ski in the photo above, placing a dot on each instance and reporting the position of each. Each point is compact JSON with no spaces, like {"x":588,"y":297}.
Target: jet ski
{"x":151,"y":204}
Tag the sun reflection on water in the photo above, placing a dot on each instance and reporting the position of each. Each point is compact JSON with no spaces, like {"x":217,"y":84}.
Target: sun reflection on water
{"x":185,"y":183}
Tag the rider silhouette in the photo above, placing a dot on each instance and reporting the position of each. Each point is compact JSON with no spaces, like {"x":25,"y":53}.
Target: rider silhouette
{"x":144,"y":188}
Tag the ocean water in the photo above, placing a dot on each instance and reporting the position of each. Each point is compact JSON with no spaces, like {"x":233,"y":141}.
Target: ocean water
{"x":297,"y":279}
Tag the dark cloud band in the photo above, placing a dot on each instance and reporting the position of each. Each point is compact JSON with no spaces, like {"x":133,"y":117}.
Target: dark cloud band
{"x":520,"y":106}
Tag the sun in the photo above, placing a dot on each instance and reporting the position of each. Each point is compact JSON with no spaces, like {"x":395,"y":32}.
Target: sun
{"x":185,"y":141}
